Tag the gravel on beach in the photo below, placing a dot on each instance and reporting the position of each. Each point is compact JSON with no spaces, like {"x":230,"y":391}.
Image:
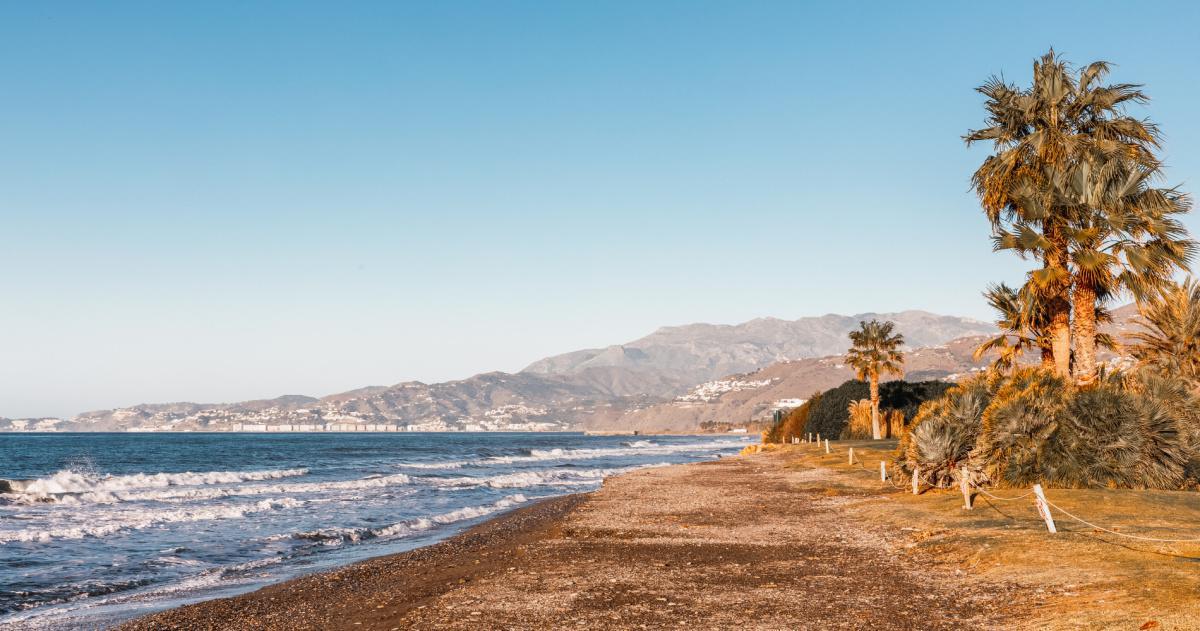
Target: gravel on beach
{"x":739,"y":543}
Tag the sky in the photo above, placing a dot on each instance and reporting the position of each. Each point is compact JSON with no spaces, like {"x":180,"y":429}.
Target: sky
{"x":223,"y":201}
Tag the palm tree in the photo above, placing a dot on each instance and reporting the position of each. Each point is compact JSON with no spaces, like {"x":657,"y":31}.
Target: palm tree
{"x":1023,"y":326}
{"x":1170,"y":341}
{"x":875,"y":350}
{"x":1132,"y":244}
{"x":1048,"y":139}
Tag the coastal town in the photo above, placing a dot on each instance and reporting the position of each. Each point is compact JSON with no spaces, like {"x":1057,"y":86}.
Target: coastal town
{"x":505,"y":418}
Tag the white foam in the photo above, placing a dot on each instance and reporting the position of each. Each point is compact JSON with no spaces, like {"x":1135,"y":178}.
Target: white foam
{"x":103,"y":525}
{"x":433,"y":465}
{"x":338,"y":536}
{"x":190,"y":494}
{"x":67,"y":481}
{"x":636,"y":448}
{"x":540,"y":477}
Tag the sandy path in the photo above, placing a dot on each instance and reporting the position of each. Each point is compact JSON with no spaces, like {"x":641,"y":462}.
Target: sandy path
{"x":744,"y":543}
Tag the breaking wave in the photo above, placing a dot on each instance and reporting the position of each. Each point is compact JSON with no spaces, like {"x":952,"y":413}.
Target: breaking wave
{"x":338,"y":536}
{"x":542,"y":477}
{"x":103,"y":526}
{"x":69,"y":481}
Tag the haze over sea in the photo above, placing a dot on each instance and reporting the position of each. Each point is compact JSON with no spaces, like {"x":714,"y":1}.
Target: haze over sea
{"x":104,"y":527}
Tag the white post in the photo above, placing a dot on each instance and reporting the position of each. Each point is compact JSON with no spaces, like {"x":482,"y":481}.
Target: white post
{"x":826,"y":445}
{"x":882,"y":471}
{"x":852,"y":456}
{"x":916,"y":479}
{"x":818,"y":439}
{"x":1040,"y":500}
{"x":964,"y":483}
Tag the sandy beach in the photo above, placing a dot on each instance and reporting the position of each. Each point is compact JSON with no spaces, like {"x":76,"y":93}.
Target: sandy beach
{"x":748,"y":542}
{"x":792,"y":538}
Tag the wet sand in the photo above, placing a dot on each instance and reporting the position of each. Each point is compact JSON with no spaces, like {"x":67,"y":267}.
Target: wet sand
{"x":740,"y":543}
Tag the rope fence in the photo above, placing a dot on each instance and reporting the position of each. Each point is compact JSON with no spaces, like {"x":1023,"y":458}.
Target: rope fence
{"x":1042,"y":504}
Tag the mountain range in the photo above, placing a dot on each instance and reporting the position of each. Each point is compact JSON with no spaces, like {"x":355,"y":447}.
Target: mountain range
{"x":642,"y":384}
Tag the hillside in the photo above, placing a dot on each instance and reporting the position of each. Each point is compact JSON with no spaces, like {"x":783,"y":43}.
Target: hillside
{"x":754,"y":395}
{"x":695,"y":353}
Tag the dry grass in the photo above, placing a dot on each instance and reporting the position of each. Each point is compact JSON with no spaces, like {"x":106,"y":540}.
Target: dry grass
{"x":1089,"y":579}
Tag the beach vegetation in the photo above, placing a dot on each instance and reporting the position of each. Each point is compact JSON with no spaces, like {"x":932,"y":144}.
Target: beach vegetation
{"x":1137,"y":429}
{"x":791,"y":424}
{"x":875,"y":351}
{"x":899,"y":400}
{"x":1072,"y":184}
{"x":1170,"y":337}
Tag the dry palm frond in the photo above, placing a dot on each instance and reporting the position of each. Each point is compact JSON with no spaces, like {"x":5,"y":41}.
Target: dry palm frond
{"x":1170,"y":339}
{"x":944,"y":431}
{"x":859,"y":426}
{"x":875,"y":350}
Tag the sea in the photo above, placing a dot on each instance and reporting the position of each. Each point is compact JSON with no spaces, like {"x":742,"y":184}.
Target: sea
{"x":99,"y":528}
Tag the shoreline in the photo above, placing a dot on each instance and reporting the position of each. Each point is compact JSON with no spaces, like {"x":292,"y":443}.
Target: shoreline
{"x":733,"y":543}
{"x":788,"y":538}
{"x":423,"y":573}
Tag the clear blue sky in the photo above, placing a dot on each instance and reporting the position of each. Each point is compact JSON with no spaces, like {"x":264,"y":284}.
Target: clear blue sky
{"x":227,"y":200}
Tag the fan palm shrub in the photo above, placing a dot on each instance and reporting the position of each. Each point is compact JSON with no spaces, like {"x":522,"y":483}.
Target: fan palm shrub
{"x":1024,"y":325}
{"x":1170,"y":339}
{"x":1134,"y":430}
{"x":874,"y":351}
{"x":944,"y":431}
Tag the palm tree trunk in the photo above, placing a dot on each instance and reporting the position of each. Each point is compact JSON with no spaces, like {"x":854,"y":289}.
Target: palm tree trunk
{"x":1058,"y":303}
{"x":875,"y":407}
{"x":1084,"y":297}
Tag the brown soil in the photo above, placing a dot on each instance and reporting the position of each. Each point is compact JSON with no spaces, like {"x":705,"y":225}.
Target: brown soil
{"x":762,"y":542}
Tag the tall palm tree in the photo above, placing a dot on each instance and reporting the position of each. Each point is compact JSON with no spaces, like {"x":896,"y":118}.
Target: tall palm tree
{"x":1033,"y":187}
{"x":1132,"y":244}
{"x":875,"y":350}
{"x":1170,"y":341}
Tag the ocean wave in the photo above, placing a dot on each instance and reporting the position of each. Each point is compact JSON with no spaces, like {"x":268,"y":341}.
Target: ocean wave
{"x":338,"y":536}
{"x":99,"y":526}
{"x":69,"y":481}
{"x":635,"y":448}
{"x":191,"y":494}
{"x":433,"y":465}
{"x":541,"y":477}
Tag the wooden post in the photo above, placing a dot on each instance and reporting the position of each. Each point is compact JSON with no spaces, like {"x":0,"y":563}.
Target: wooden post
{"x":916,"y":480}
{"x":964,"y":483}
{"x":851,"y":456}
{"x":1039,"y":499}
{"x":882,"y":471}
{"x":826,"y":445}
{"x":818,"y":439}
